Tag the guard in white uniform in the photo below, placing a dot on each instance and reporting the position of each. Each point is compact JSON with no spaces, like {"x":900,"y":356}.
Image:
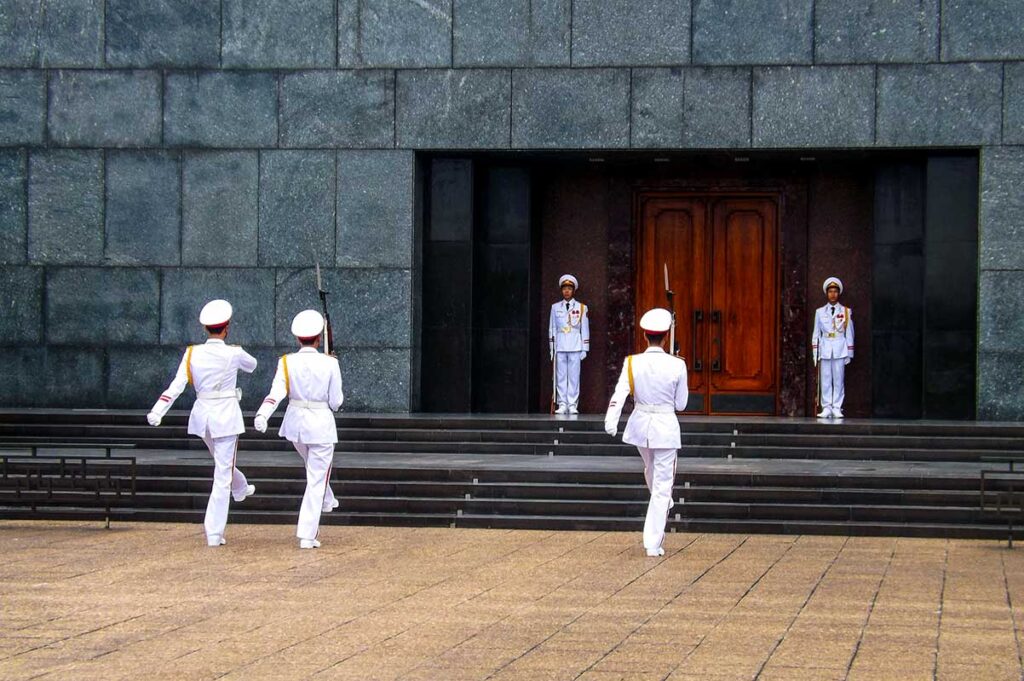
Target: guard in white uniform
{"x":568,"y":344}
{"x":212,"y":368}
{"x":657,"y":381}
{"x":832,"y":348}
{"x":312,"y":382}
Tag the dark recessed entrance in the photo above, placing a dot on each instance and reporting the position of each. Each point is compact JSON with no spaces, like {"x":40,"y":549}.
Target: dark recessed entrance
{"x":747,"y":240}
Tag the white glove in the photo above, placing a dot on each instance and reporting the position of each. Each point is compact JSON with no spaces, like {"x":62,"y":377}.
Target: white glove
{"x":260,"y":423}
{"x":611,"y":430}
{"x":551,"y":355}
{"x":154,"y":418}
{"x":583,"y":356}
{"x":847,"y":361}
{"x":814,"y":354}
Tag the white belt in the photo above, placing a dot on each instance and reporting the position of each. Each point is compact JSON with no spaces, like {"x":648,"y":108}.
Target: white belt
{"x":219,"y":394}
{"x":655,"y":408}
{"x":306,"y":404}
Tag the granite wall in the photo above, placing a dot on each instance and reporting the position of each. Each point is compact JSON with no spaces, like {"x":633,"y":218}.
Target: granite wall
{"x":155,"y":154}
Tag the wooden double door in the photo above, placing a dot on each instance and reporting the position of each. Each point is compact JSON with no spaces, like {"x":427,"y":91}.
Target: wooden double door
{"x":720,"y":253}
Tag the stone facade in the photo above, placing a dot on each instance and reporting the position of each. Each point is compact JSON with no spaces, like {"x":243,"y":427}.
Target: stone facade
{"x":153,"y":155}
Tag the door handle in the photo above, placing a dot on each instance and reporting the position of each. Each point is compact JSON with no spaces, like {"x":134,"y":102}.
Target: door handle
{"x":716,"y":341}
{"x":698,"y":317}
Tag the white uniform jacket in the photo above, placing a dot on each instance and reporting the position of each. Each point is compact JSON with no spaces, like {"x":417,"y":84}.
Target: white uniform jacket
{"x":659,"y":382}
{"x":833,"y":333}
{"x":312,"y":382}
{"x":213,"y":369}
{"x":569,"y":329}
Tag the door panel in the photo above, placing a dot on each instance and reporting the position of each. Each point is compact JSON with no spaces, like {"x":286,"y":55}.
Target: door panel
{"x":721,"y":255}
{"x":743,"y":295}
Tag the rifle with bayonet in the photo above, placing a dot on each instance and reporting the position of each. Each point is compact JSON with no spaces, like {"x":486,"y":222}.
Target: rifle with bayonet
{"x":670,"y":296}
{"x":328,"y":329}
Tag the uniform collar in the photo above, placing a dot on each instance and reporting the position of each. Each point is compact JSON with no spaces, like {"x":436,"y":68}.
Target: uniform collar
{"x":215,"y":340}
{"x":654,"y":348}
{"x":307,"y":349}
{"x":571,"y":301}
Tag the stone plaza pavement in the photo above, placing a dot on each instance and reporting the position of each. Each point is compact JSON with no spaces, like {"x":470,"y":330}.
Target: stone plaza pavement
{"x":151,"y":601}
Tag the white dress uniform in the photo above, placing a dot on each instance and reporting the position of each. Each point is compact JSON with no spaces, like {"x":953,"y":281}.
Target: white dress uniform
{"x":312,"y":382}
{"x":212,"y":368}
{"x":832,"y":345}
{"x":568,"y":343}
{"x":658,"y":383}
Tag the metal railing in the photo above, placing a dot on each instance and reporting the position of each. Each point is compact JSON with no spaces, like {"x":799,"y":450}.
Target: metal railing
{"x":50,"y":484}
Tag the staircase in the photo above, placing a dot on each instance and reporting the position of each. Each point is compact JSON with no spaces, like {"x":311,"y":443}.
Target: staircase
{"x":535,"y":471}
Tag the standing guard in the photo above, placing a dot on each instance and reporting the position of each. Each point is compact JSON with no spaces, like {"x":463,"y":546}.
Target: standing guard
{"x":212,"y":368}
{"x":568,"y":345}
{"x":832,"y":348}
{"x":312,"y":382}
{"x":657,"y":382}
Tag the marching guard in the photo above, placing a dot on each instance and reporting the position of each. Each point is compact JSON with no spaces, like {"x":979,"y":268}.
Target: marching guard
{"x":212,"y":368}
{"x":312,"y":382}
{"x":657,"y":381}
{"x":832,"y":348}
{"x":568,"y":345}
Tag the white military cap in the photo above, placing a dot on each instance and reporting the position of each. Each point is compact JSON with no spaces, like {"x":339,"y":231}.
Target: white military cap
{"x":568,"y":278}
{"x":830,"y":281}
{"x":658,"y":320}
{"x":215,"y":313}
{"x":308,"y":324}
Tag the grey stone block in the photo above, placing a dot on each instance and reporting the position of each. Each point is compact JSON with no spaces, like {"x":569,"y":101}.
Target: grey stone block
{"x":939,"y":104}
{"x":19,"y":30}
{"x":297,"y":190}
{"x":13,"y":207}
{"x":278,"y":33}
{"x":1013,"y":104}
{"x":105,"y":108}
{"x":375,"y":208}
{"x":625,"y":33}
{"x":657,"y":107}
{"x":143,"y":209}
{"x":63,"y":378}
{"x":219,"y":208}
{"x":21,"y":305}
{"x":101,"y":305}
{"x":716,"y":108}
{"x":185,"y":290}
{"x":72,"y":34}
{"x":1001,"y":226}
{"x":176,"y":33}
{"x":256,"y":385}
{"x":221,"y":109}
{"x":1001,"y":386}
{"x":346,"y":109}
{"x":394,"y":33}
{"x":463,"y":109}
{"x":375,"y":380}
{"x":512,"y":32}
{"x":369,"y":307}
{"x":22,"y":107}
{"x":814,"y":106}
{"x":65,"y":202}
{"x":982,"y":29}
{"x":745,"y":32}
{"x":136,"y":376}
{"x":570,"y":109}
{"x":1000,"y":310}
{"x":702,"y":107}
{"x":884,"y":31}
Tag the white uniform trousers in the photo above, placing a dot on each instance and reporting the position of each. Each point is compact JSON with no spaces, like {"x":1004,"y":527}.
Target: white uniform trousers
{"x":318,"y":460}
{"x":227,"y":480}
{"x":567,"y":373}
{"x":660,"y":474}
{"x":303,"y":451}
{"x":833,"y":387}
